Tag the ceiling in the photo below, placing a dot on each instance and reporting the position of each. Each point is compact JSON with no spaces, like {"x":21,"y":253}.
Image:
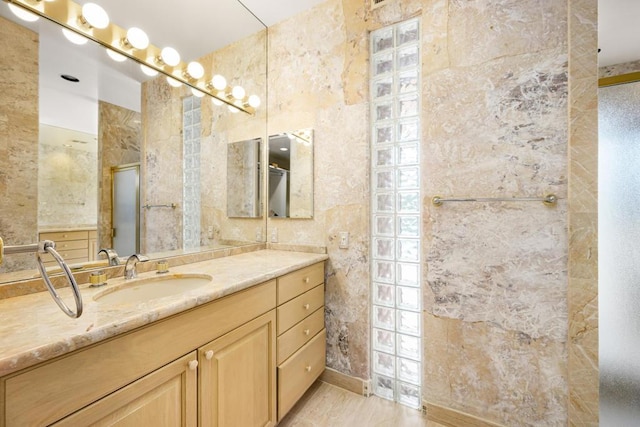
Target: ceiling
{"x":618,"y":31}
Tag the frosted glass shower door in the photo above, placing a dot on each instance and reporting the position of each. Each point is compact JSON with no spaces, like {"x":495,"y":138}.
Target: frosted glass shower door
{"x":619,"y":254}
{"x":126,"y":208}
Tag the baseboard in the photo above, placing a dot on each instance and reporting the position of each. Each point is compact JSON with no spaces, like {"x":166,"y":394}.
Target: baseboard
{"x":347,"y":382}
{"x":452,"y":418}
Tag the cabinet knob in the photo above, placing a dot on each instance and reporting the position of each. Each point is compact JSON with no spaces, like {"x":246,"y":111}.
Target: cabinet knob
{"x":209,"y":355}
{"x":306,"y":331}
{"x":306,"y":306}
{"x":193,"y":365}
{"x":308,"y":369}
{"x":305,"y":280}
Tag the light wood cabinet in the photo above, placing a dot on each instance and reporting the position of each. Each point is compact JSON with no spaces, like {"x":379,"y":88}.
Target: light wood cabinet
{"x":237,"y":376}
{"x":242,"y":360}
{"x":74,"y":246}
{"x":301,"y":339}
{"x":166,"y":397}
{"x":53,"y":390}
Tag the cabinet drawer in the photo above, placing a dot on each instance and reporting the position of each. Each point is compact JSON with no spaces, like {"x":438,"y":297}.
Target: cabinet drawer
{"x":293,"y":284}
{"x":299,"y":372}
{"x":93,"y":234}
{"x":298,"y":335}
{"x":65,"y":235}
{"x":300,"y":307}
{"x":68,"y":255}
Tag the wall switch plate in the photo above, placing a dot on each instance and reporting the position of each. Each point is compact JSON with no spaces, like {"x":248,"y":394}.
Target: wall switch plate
{"x":274,"y":235}
{"x":344,"y":240}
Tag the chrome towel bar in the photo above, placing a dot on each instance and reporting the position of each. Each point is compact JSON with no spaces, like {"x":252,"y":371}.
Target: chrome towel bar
{"x":48,"y":246}
{"x":548,"y":200}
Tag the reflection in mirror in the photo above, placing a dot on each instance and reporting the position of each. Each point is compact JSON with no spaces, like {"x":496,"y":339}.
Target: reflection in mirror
{"x":42,"y":198}
{"x":291,"y":174}
{"x":244,"y":179}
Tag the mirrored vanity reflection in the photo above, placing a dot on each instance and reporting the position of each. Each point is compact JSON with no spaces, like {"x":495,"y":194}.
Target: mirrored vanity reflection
{"x":244,"y":179}
{"x":291,"y":174}
{"x":114,"y":117}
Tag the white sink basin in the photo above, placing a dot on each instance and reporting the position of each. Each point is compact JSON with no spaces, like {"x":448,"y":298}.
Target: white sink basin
{"x":141,"y":290}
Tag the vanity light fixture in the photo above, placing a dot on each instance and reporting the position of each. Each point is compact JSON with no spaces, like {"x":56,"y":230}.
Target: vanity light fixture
{"x":74,"y":38}
{"x":217,"y":102}
{"x":195,"y":70}
{"x":136,"y":38}
{"x":238,"y":92}
{"x":148,"y":71}
{"x":197,"y":93}
{"x":94,"y":16}
{"x":218,"y":82}
{"x":25,"y":15}
{"x":116,"y":56}
{"x":173,"y":82}
{"x":254,"y":101}
{"x":91,"y":22}
{"x":170,"y":56}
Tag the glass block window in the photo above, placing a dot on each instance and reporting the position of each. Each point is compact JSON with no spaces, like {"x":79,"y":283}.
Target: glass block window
{"x":191,"y":172}
{"x":396,"y":213}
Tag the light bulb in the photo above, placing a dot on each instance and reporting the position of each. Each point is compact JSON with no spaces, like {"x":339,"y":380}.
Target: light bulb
{"x":95,"y":15}
{"x":254,"y":101}
{"x":25,"y":15}
{"x":238,"y":92}
{"x":217,"y":102}
{"x":219,"y":82}
{"x":170,"y":56}
{"x":195,"y":70}
{"x":148,"y":70}
{"x":116,"y":56}
{"x":233,"y":109}
{"x":197,"y":93}
{"x":74,"y":37}
{"x":173,"y":82}
{"x":137,"y":38}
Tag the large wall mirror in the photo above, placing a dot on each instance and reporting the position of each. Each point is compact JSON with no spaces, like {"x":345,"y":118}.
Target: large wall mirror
{"x":291,"y":174}
{"x":76,"y":156}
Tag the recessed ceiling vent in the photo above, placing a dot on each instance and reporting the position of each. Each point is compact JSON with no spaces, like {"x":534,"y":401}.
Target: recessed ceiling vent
{"x":378,"y":3}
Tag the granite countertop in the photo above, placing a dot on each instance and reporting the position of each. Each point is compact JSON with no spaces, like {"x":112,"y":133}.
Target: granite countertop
{"x":33,"y":329}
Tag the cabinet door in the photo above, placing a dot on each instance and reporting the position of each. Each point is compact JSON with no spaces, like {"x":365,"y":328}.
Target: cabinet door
{"x":237,"y":376}
{"x":164,"y":398}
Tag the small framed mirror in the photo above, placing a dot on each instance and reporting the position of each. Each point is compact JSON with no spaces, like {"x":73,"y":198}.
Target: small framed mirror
{"x":291,"y":174}
{"x":244,"y":179}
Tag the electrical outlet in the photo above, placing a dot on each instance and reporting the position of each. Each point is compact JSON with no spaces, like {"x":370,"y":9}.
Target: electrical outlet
{"x":274,"y":235}
{"x":344,"y":240}
{"x":210,"y":231}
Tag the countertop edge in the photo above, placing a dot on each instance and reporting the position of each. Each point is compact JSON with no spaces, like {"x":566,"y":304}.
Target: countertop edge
{"x":39,"y":353}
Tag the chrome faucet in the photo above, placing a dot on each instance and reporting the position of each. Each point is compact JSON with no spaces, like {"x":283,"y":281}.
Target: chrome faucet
{"x":112,"y":256}
{"x":130,"y":266}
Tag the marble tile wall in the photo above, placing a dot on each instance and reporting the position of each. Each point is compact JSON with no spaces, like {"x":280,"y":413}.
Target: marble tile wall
{"x":67,"y":187}
{"x":161,"y":166}
{"x":242,"y":63}
{"x":18,"y":141}
{"x":119,"y":137}
{"x":583,"y":214}
{"x":495,"y":123}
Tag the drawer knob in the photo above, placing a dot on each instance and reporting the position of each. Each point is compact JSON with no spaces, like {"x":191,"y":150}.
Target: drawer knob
{"x":308,"y":369}
{"x":307,"y":331}
{"x":193,"y":365}
{"x":305,"y":280}
{"x":209,"y":355}
{"x":306,"y":306}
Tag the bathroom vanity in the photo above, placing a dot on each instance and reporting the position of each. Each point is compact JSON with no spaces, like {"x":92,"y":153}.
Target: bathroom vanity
{"x":238,"y":351}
